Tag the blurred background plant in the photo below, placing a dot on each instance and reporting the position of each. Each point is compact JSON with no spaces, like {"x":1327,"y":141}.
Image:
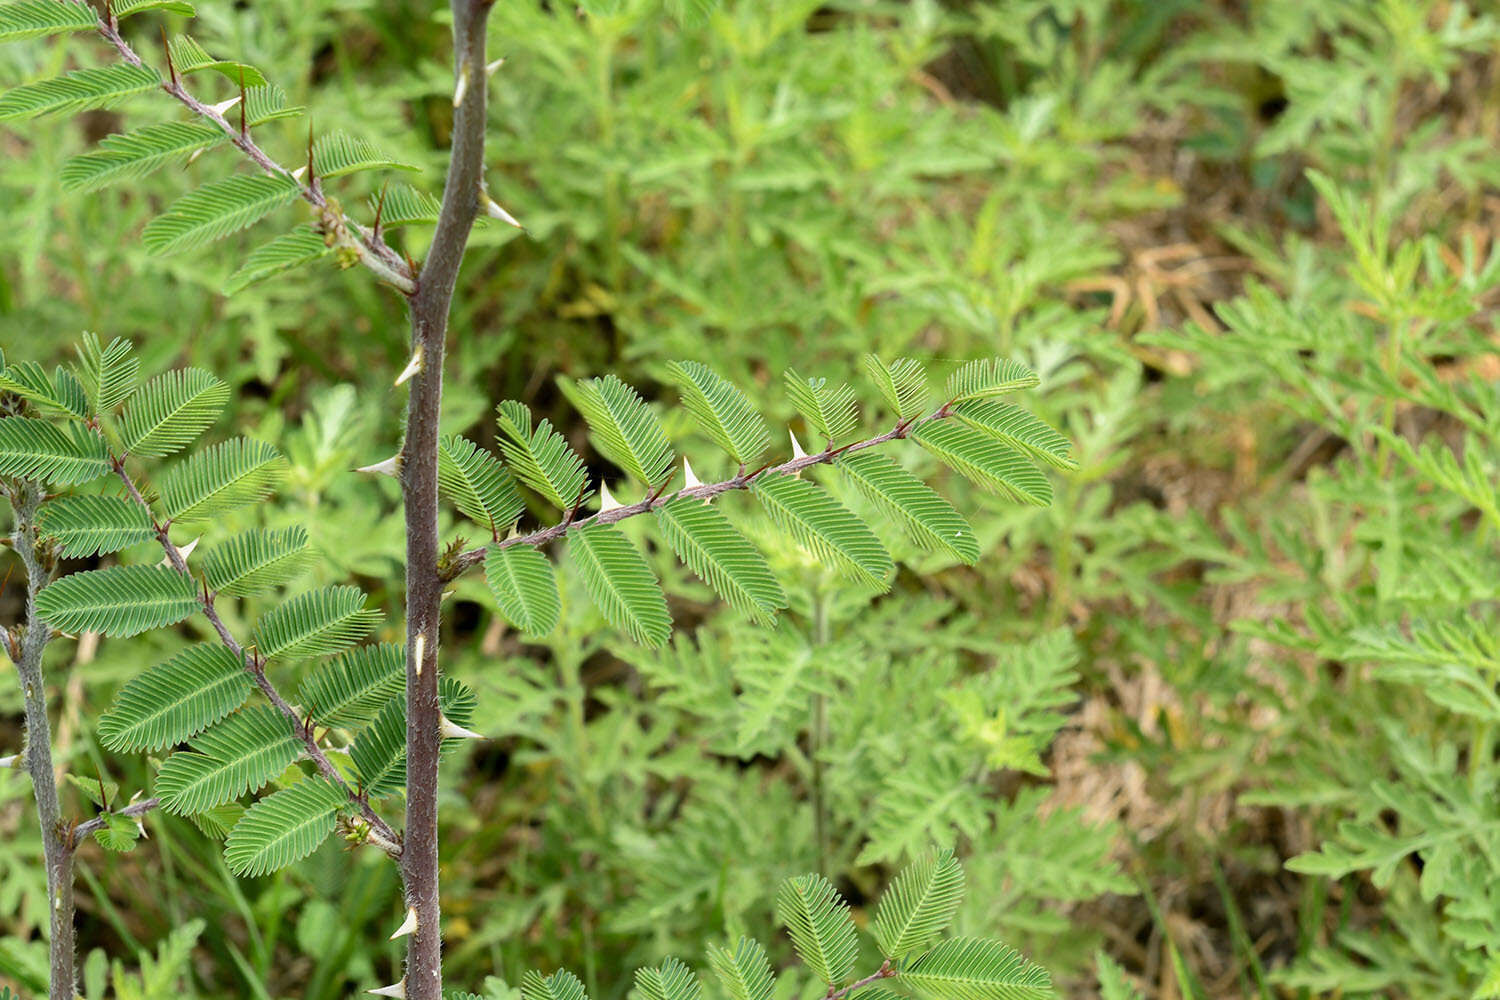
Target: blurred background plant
{"x":1225,"y":711}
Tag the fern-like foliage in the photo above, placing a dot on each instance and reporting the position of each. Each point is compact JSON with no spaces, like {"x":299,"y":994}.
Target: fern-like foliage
{"x":672,"y":980}
{"x":721,"y":410}
{"x":62,"y":393}
{"x":989,"y":377}
{"x":69,"y":455}
{"x":745,"y":972}
{"x":256,"y":561}
{"x":827,"y":407}
{"x":478,"y":484}
{"x":314,"y":623}
{"x":301,"y":246}
{"x":27,"y":19}
{"x":120,"y":601}
{"x":284,"y":827}
{"x":176,"y":700}
{"x":94,"y":525}
{"x":169,"y":411}
{"x":266,"y":104}
{"x":561,"y":985}
{"x":379,"y":752}
{"x":239,"y":755}
{"x":985,"y":461}
{"x":902,"y":384}
{"x":978,"y":969}
{"x":524,"y":587}
{"x":339,"y":153}
{"x":80,"y":90}
{"x":931,"y":521}
{"x":127,"y":156}
{"x":220,"y":478}
{"x":919,"y":905}
{"x":216,"y":210}
{"x":190,"y":57}
{"x":624,"y":429}
{"x":828,"y":528}
{"x":820,"y":926}
{"x":1011,"y":425}
{"x":541,"y":458}
{"x":124,"y":8}
{"x":350,"y":689}
{"x":108,"y":374}
{"x":620,"y":583}
{"x":404,"y":205}
{"x":704,"y":539}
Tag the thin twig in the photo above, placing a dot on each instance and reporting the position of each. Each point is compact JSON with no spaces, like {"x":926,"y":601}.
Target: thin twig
{"x":886,"y":971}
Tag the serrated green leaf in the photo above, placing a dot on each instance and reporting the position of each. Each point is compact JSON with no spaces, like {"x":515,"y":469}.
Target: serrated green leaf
{"x":301,"y":246}
{"x":932,"y":521}
{"x":126,"y":156}
{"x":1019,"y":429}
{"x":120,"y":601}
{"x":60,"y":394}
{"x":379,"y":753}
{"x":168,"y":412}
{"x":350,"y":689}
{"x":984,"y":461}
{"x":124,"y":8}
{"x":238,"y":755}
{"x":190,"y":57}
{"x":540,"y":458}
{"x":825,"y":527}
{"x":80,"y":90}
{"x":561,"y":985}
{"x":620,"y":583}
{"x":256,"y":561}
{"x":818,"y":920}
{"x":175,"y":700}
{"x":38,"y":450}
{"x":284,"y":827}
{"x":989,"y":377}
{"x":315,"y":623}
{"x":478,"y":484}
{"x":977,"y":969}
{"x":228,"y":475}
{"x":902,"y":384}
{"x":216,"y":210}
{"x":672,"y":980}
{"x":268,"y":103}
{"x":827,"y":408}
{"x":524,"y":586}
{"x":339,"y":153}
{"x":721,"y":410}
{"x":118,"y":834}
{"x":744,"y":972}
{"x":624,"y":429}
{"x":92,"y":525}
{"x":27,"y":19}
{"x":709,"y":545}
{"x":919,"y":905}
{"x":107,"y":374}
{"x":404,"y":205}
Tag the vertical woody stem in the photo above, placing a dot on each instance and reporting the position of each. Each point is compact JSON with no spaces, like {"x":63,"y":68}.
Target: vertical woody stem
{"x":56,"y":844}
{"x":424,"y":583}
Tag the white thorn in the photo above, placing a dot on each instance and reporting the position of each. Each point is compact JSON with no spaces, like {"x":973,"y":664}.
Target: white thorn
{"x":453,"y":731}
{"x":193,"y":157}
{"x":297,"y":174}
{"x":463,"y":84}
{"x":412,"y":367}
{"x":13,"y":761}
{"x":140,"y":827}
{"x":182,"y":550}
{"x":390,"y":467}
{"x":797,"y":451}
{"x":219,"y":109}
{"x":408,"y":926}
{"x":447,"y":594}
{"x":493,"y":210}
{"x":420,"y":648}
{"x":397,"y":990}
{"x":606,"y":501}
{"x":489,"y":70}
{"x":690,"y":481}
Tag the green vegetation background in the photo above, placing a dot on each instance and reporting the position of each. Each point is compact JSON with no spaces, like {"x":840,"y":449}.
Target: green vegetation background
{"x":1248,"y":247}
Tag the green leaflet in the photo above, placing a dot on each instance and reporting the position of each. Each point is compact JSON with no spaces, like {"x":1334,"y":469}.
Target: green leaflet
{"x":339,"y":153}
{"x":27,"y":19}
{"x":350,"y":689}
{"x":561,"y":985}
{"x":404,"y":205}
{"x":984,"y":461}
{"x":190,"y":57}
{"x":919,"y":905}
{"x":902,"y":384}
{"x":1014,"y":426}
{"x":477,"y":484}
{"x":124,"y":8}
{"x":977,"y":969}
{"x":932,"y":521}
{"x":108,"y":374}
{"x":62,"y":394}
{"x":94,"y":525}
{"x":118,"y":834}
{"x":216,"y":210}
{"x":175,"y":700}
{"x":301,"y":246}
{"x":989,"y":377}
{"x":672,"y":980}
{"x":540,"y":458}
{"x":624,"y":429}
{"x":256,"y":561}
{"x":220,"y":478}
{"x":80,"y":90}
{"x":827,"y":408}
{"x":268,"y":103}
{"x":314,"y":623}
{"x":709,"y":545}
{"x":721,"y":410}
{"x":120,"y":601}
{"x":820,"y":926}
{"x":126,"y":156}
{"x":284,"y":827}
{"x":524,"y":586}
{"x":826,"y":527}
{"x":169,"y":411}
{"x":379,"y":753}
{"x":745,"y":972}
{"x":239,"y":755}
{"x":35,"y":449}
{"x":620,"y":583}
